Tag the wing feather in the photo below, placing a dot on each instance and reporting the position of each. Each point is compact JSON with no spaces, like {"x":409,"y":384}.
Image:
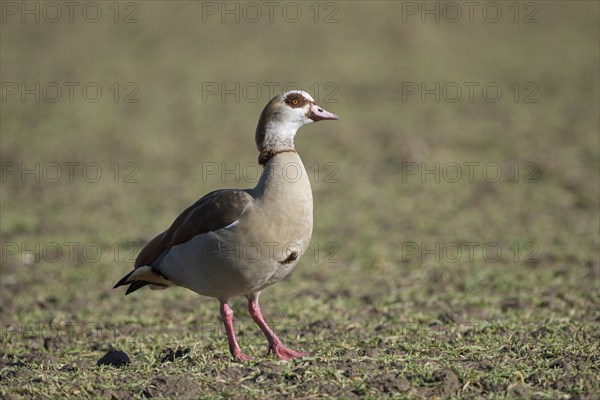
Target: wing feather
{"x":212,"y":212}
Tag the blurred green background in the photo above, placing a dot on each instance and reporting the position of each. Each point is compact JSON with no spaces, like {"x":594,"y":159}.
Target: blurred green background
{"x":360,"y":60}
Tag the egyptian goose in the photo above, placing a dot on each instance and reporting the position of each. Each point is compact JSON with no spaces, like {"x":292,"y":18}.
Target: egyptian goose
{"x":238,"y":242}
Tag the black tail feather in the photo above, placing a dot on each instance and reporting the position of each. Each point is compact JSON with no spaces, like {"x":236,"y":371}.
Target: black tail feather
{"x":123,"y":280}
{"x":140,"y":283}
{"x":135,"y":285}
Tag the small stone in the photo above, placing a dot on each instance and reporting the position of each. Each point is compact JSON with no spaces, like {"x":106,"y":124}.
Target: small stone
{"x":116,"y":358}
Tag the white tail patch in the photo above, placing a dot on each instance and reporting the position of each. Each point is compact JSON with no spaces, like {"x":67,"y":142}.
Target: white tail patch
{"x":231,"y":225}
{"x":146,"y":274}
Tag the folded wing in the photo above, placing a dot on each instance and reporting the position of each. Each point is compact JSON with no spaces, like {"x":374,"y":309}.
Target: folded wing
{"x":212,"y":212}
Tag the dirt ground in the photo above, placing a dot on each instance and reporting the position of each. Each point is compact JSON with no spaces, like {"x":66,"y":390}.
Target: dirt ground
{"x":455,"y":246}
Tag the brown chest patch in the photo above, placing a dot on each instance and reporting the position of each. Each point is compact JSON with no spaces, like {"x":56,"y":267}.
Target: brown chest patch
{"x":291,"y":258}
{"x":296,"y":100}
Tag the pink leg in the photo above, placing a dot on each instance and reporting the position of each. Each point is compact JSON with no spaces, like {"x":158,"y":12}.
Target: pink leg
{"x":234,"y":348}
{"x":275,"y":345}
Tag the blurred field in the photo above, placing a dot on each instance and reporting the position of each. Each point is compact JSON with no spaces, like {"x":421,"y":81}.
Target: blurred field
{"x":384,"y":302}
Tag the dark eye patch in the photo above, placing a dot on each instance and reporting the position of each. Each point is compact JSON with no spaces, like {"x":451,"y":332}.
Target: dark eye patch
{"x":295,"y":100}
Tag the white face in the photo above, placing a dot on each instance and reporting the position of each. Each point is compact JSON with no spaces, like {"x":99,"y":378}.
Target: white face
{"x":299,"y":106}
{"x":300,"y":92}
{"x":296,"y":107}
{"x":284,"y":115}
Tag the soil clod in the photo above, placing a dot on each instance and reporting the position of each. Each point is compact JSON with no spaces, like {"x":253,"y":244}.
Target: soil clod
{"x":116,"y":358}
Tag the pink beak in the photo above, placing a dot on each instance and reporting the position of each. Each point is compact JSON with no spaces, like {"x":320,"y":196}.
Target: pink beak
{"x":317,"y":113}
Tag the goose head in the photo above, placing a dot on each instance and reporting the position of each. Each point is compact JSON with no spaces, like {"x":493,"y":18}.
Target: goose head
{"x":281,"y":119}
